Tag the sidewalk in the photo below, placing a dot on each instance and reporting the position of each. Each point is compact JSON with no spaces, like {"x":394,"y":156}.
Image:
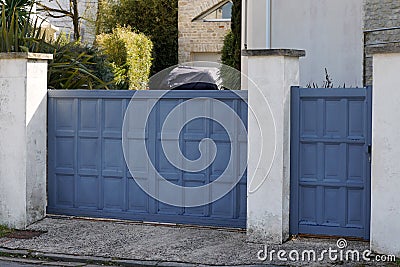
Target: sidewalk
{"x":131,"y":244}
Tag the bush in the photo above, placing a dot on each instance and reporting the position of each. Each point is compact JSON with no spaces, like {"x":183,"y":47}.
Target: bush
{"x":227,"y":56}
{"x":130,"y":56}
{"x":157,"y":19}
{"x":231,"y":54}
{"x":76,"y":66}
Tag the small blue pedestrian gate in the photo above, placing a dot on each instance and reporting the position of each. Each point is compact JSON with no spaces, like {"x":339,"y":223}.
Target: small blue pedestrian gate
{"x":87,"y":173}
{"x":330,"y":161}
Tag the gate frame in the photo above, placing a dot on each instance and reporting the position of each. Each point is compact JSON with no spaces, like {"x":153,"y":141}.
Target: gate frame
{"x":100,"y":96}
{"x":294,"y":163}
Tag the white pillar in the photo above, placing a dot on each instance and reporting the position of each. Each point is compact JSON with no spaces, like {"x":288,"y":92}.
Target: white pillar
{"x":272,"y":73}
{"x":385,"y":178}
{"x":23,"y":117}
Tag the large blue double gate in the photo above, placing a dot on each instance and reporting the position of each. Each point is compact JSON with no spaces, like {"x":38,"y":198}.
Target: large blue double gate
{"x":330,"y":161}
{"x":87,"y":173}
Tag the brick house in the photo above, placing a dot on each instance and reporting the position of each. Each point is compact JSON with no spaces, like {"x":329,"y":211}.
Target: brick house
{"x":381,"y":28}
{"x":202,"y":27}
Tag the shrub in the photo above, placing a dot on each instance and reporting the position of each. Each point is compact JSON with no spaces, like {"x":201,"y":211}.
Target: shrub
{"x":130,"y":56}
{"x":227,"y":56}
{"x":157,"y":19}
{"x":231,"y":54}
{"x":75,"y":66}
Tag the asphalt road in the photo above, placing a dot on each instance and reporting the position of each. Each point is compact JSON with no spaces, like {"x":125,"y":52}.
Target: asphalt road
{"x":4,"y":262}
{"x":15,"y":264}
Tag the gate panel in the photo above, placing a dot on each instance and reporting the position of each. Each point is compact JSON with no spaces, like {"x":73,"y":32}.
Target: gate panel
{"x":330,"y":161}
{"x":88,"y":175}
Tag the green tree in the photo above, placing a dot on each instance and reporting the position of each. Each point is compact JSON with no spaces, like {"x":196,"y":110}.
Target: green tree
{"x":60,"y":10}
{"x":231,"y":52}
{"x":157,"y":19}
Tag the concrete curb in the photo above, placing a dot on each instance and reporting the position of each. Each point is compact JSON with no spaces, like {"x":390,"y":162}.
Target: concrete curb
{"x":43,"y":256}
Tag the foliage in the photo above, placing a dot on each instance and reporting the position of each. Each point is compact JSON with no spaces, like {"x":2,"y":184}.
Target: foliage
{"x":157,"y":19}
{"x":227,"y":56}
{"x":328,"y":83}
{"x":75,"y":66}
{"x":18,"y":32}
{"x":17,"y":10}
{"x":229,"y":74}
{"x":72,"y":66}
{"x":231,"y":51}
{"x":130,"y":54}
{"x":4,"y":230}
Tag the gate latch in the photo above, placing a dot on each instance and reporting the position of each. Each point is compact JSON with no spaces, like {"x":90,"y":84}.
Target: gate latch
{"x":369,"y":152}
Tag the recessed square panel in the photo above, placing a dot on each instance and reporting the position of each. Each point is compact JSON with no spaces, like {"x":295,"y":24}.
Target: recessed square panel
{"x":138,"y":199}
{"x":65,"y":190}
{"x":89,"y":115}
{"x":89,"y":153}
{"x":64,"y":114}
{"x":335,"y":119}
{"x":355,"y":210}
{"x":195,"y":211}
{"x":307,"y":204}
{"x":332,"y":209}
{"x":162,"y":163}
{"x":112,"y":155}
{"x":113,"y":193}
{"x":137,"y":161}
{"x":222,"y":158}
{"x":164,"y":107}
{"x":224,"y":206}
{"x":356,"y":162}
{"x":65,"y":152}
{"x":88,"y":191}
{"x":309,"y":119}
{"x":356,"y":119}
{"x":333,"y":158}
{"x":309,"y":160}
{"x":164,"y":193}
{"x":113,"y":115}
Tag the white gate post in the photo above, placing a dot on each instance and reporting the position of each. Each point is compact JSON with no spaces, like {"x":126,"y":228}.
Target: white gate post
{"x":23,"y":117}
{"x":385,"y":177}
{"x":272,"y":72}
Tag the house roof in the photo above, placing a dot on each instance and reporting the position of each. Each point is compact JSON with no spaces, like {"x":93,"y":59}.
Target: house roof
{"x":210,"y":10}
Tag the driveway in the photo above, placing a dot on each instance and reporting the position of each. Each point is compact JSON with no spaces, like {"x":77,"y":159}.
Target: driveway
{"x":174,"y":245}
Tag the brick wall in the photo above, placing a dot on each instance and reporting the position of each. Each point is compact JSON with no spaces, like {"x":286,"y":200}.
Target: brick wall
{"x":380,"y":14}
{"x":198,"y":36}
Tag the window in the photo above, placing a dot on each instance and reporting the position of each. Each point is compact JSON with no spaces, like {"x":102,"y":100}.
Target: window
{"x":220,"y":12}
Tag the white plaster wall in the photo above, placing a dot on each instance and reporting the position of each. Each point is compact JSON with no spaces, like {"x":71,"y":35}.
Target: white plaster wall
{"x":257,"y":24}
{"x":36,"y":146}
{"x":385,"y":195}
{"x":23,"y":113}
{"x":12,"y":142}
{"x":331,"y":32}
{"x":268,"y":207}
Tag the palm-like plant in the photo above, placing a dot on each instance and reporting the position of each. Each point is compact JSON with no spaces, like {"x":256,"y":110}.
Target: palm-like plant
{"x":70,"y":68}
{"x":17,"y":10}
{"x":18,"y":32}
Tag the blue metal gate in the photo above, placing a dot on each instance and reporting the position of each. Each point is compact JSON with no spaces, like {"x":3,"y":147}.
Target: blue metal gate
{"x":330,"y":162}
{"x":88,"y":175}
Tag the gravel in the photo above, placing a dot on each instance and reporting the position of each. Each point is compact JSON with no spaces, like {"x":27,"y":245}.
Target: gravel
{"x":125,"y":240}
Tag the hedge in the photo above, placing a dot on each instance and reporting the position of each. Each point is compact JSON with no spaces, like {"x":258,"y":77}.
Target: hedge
{"x":130,"y":56}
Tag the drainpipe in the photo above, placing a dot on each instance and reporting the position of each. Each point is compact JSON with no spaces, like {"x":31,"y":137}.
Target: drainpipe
{"x":269,"y":23}
{"x":245,"y":23}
